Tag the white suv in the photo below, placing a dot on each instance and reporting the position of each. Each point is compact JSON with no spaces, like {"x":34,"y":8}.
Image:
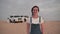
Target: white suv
{"x":17,"y":19}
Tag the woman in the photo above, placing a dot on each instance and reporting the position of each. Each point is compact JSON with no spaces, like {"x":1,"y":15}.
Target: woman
{"x":35,"y":23}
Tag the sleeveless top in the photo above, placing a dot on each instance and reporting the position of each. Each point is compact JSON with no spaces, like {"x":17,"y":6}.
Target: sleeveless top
{"x":31,"y":22}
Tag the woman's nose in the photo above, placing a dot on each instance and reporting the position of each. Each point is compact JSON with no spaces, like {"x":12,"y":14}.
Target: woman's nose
{"x":35,"y":11}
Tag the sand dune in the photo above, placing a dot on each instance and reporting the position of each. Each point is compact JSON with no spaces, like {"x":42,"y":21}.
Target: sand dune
{"x":50,"y":27}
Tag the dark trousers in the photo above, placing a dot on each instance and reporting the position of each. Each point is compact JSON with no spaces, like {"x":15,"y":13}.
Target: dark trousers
{"x":35,"y":29}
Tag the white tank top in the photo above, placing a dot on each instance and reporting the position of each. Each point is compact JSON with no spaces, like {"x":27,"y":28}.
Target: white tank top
{"x":35,"y":21}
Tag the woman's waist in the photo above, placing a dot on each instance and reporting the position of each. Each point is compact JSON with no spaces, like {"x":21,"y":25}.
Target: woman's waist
{"x":35,"y":23}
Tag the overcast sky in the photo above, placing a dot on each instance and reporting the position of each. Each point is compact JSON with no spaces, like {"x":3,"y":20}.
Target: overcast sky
{"x":49,"y":9}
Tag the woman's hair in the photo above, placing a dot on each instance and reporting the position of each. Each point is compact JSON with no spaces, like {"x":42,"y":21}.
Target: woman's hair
{"x":33,"y":8}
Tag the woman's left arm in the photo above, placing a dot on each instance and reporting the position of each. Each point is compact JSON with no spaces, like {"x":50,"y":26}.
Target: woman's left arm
{"x":42,"y":24}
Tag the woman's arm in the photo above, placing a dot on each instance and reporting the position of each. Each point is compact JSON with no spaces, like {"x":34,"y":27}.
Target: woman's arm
{"x":42,"y":25}
{"x":28,"y":27}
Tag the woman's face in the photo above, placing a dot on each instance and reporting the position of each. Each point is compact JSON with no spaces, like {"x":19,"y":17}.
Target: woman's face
{"x":35,"y":11}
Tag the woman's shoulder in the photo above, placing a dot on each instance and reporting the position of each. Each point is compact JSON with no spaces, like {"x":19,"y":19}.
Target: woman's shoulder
{"x":42,"y":20}
{"x":28,"y":20}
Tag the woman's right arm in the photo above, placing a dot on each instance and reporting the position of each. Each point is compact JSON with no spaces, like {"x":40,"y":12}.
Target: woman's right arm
{"x":28,"y":28}
{"x":28,"y":25}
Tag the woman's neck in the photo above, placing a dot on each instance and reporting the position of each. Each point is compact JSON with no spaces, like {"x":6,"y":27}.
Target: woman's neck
{"x":35,"y":16}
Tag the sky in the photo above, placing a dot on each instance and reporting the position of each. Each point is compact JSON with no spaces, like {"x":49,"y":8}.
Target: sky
{"x":49,"y":9}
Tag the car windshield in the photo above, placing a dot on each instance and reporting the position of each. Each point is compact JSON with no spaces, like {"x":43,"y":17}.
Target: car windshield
{"x":14,"y":16}
{"x":11,"y":16}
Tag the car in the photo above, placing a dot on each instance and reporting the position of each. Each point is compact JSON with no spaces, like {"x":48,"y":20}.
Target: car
{"x":17,"y":19}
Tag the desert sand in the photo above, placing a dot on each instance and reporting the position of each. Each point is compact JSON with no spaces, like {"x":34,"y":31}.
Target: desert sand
{"x":50,"y":27}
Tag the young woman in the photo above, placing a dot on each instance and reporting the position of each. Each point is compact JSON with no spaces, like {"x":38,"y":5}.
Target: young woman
{"x":35,"y":23}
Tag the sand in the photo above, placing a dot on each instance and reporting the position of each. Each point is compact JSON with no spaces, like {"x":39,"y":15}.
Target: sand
{"x":50,"y":27}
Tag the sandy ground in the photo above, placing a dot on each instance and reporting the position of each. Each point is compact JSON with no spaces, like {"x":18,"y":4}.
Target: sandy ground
{"x":50,"y":27}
